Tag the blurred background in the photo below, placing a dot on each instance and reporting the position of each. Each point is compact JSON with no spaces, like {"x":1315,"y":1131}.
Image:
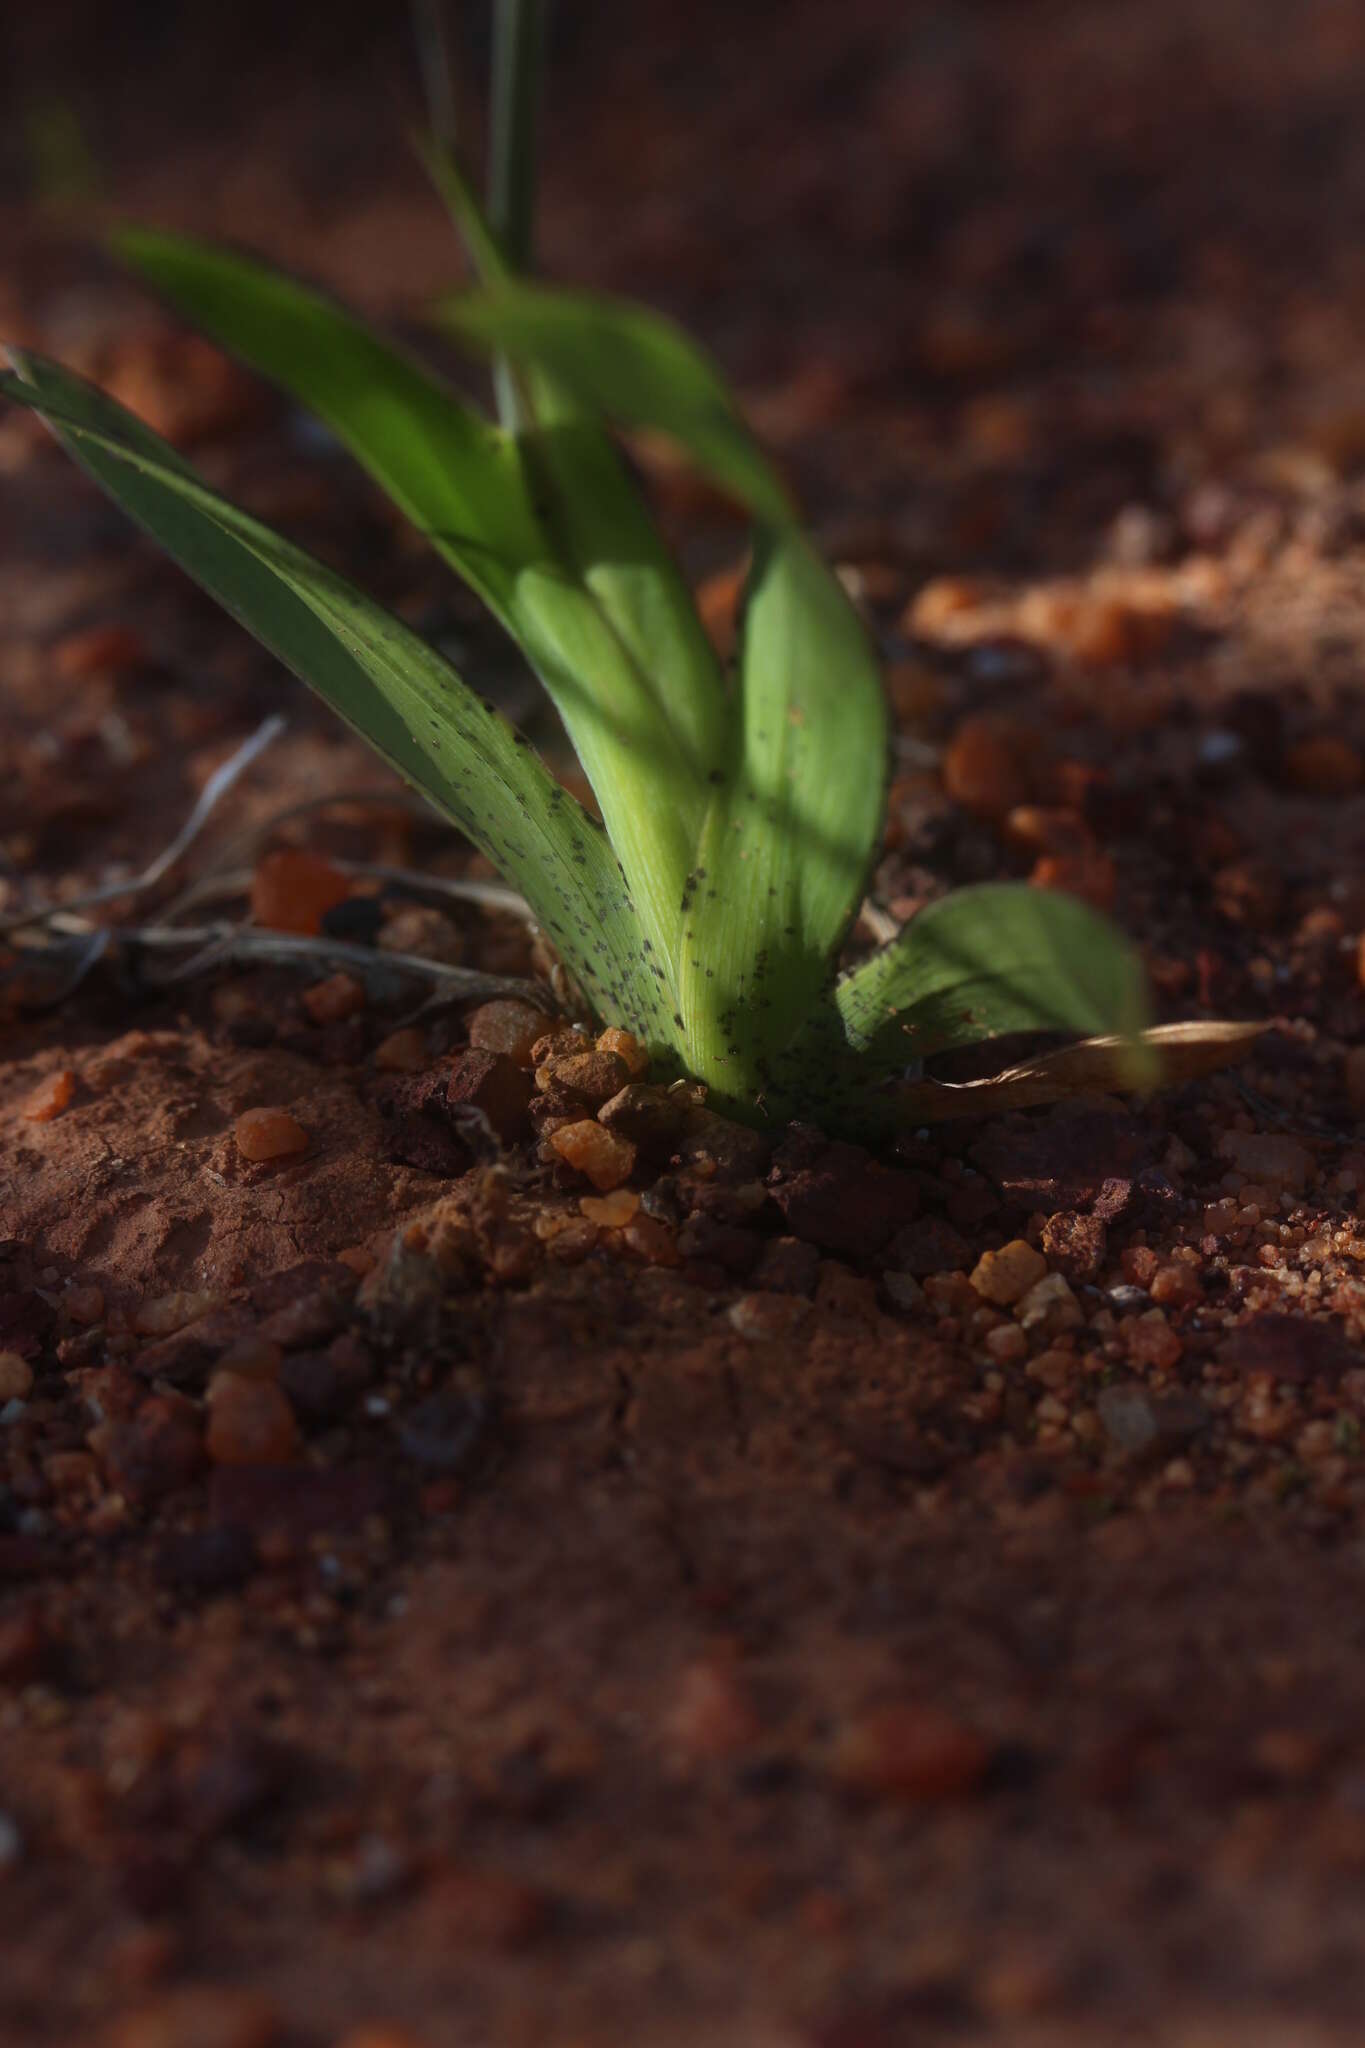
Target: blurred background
{"x":916,"y":233}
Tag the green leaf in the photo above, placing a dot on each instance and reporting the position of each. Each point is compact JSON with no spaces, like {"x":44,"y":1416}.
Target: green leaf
{"x":793,"y":824}
{"x":597,"y":608}
{"x":984,"y":961}
{"x":384,"y":680}
{"x":597,"y":515}
{"x":631,"y":365}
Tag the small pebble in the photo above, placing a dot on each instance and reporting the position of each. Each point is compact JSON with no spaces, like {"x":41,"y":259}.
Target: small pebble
{"x":508,"y":1026}
{"x":1128,"y":1419}
{"x":1049,"y":1306}
{"x":165,"y":1313}
{"x":402,"y":1052}
{"x":1150,"y":1340}
{"x":50,"y":1097}
{"x":263,"y":1134}
{"x":1004,"y":1277}
{"x":291,"y":891}
{"x":613,"y":1211}
{"x":627,"y":1048}
{"x":604,"y":1158}
{"x":651,"y":1240}
{"x":250,"y":1422}
{"x":981,"y":770}
{"x":593,"y":1076}
{"x":333,"y":1000}
{"x":84,"y":1305}
{"x":99,"y":650}
{"x":904,"y":1290}
{"x":16,"y":1377}
{"x":1090,"y":876}
{"x":914,"y":1753}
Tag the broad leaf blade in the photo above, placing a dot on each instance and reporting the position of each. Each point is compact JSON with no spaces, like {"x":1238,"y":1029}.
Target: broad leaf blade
{"x":597,"y":607}
{"x":384,"y":680}
{"x":632,"y":366}
{"x":985,"y":961}
{"x":794,"y":821}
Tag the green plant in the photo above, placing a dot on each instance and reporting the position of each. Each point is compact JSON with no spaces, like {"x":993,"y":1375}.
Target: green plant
{"x":739,"y":813}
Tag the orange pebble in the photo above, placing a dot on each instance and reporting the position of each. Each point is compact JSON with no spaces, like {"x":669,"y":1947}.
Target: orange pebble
{"x":333,"y":1000}
{"x":250,"y":1422}
{"x":292,"y":891}
{"x":626,"y":1047}
{"x":938,"y":609}
{"x":269,"y":1134}
{"x":51,"y":1097}
{"x":981,"y":770}
{"x":403,"y":1052}
{"x":99,"y":651}
{"x":1090,"y":876}
{"x":605,"y":1159}
{"x":613,"y":1210}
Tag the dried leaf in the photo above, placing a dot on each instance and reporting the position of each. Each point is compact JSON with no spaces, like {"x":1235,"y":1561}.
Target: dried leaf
{"x":1183,"y":1051}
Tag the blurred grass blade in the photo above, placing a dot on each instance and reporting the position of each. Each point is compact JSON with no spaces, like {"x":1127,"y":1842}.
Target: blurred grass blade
{"x":631,"y":365}
{"x":988,"y":960}
{"x":461,"y":202}
{"x":792,"y":828}
{"x":597,"y":516}
{"x":384,"y":680}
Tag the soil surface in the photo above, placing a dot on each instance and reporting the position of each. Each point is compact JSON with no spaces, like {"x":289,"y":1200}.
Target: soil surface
{"x":787,"y":1599}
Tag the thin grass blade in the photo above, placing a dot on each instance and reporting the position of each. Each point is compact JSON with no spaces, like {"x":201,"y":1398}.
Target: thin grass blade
{"x":384,"y":680}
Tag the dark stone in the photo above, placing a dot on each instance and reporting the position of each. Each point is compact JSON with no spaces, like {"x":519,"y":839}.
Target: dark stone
{"x":736,"y":1152}
{"x":1075,"y":1246}
{"x":433,"y":1119}
{"x":357,"y":919}
{"x":929,"y":1245}
{"x":494,"y":1085}
{"x":313,"y":1387}
{"x":844,"y":1202}
{"x":650,"y":1117}
{"x":726,"y":1244}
